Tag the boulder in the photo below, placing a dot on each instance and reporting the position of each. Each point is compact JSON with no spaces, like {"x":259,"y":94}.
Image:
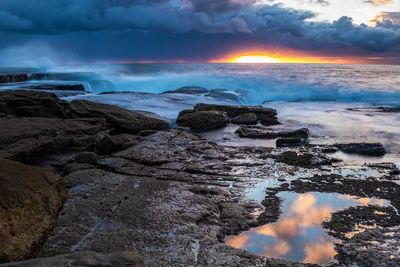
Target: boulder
{"x":30,"y":199}
{"x":189,"y":90}
{"x":85,"y":258}
{"x":246,"y":118}
{"x":258,"y":132}
{"x":122,"y":119}
{"x":365,"y":149}
{"x":267,"y":116}
{"x":34,"y":104}
{"x":234,"y":111}
{"x":203,"y":120}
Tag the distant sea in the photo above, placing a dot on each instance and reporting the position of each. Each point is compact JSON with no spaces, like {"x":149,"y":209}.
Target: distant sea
{"x":338,"y":103}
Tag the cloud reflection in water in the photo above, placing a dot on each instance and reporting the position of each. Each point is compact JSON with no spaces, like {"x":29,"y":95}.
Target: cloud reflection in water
{"x":298,"y":234}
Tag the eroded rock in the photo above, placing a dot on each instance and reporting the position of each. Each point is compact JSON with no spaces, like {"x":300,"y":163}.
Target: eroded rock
{"x":30,"y":198}
{"x":366,"y":149}
{"x":124,"y":120}
{"x":85,"y":259}
{"x":203,"y":120}
{"x":246,"y":118}
{"x":258,"y":132}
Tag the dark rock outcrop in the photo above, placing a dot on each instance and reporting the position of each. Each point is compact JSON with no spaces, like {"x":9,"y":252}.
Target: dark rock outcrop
{"x":290,"y":142}
{"x":29,"y":139}
{"x":246,"y":119}
{"x":266,"y":116}
{"x":30,"y":199}
{"x":85,"y":259}
{"x":189,"y":90}
{"x":34,"y":104}
{"x":13,"y":78}
{"x":124,"y":120}
{"x":203,"y":120}
{"x":258,"y":132}
{"x":58,"y":87}
{"x":366,"y":149}
{"x":234,"y":111}
{"x":107,"y":144}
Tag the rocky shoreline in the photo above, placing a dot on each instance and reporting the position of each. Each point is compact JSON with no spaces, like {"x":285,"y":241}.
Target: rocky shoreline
{"x":124,"y":188}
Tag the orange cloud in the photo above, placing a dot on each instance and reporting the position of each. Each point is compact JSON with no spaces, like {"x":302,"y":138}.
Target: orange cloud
{"x":322,"y":252}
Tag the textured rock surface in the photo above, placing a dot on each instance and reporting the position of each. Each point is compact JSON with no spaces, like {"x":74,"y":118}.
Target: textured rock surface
{"x":258,"y":132}
{"x":367,"y":149}
{"x":30,"y":199}
{"x":266,"y":116}
{"x":177,"y":178}
{"x":246,"y":118}
{"x":203,"y":120}
{"x":122,"y":119}
{"x":84,"y":258}
{"x":29,"y":139}
{"x":34,"y":104}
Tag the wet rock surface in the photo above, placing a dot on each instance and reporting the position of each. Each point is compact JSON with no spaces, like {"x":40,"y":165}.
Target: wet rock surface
{"x":259,"y":132}
{"x":30,"y":198}
{"x":84,"y":258}
{"x":367,"y":149}
{"x":173,"y":196}
{"x":203,"y":120}
{"x":190,"y":90}
{"x":246,"y":118}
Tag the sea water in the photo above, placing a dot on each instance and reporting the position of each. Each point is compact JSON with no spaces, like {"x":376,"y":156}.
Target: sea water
{"x":338,"y":103}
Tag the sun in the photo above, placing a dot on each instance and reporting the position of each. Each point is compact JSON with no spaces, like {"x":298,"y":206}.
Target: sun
{"x":254,"y":59}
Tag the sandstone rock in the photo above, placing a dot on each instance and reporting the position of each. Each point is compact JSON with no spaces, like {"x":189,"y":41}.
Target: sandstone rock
{"x":122,"y":119}
{"x":366,"y":149}
{"x":34,"y":104}
{"x":30,"y":199}
{"x":29,"y":139}
{"x":85,"y":258}
{"x":107,"y":144}
{"x":73,"y":167}
{"x":189,"y":90}
{"x":87,"y":157}
{"x":203,"y":120}
{"x":246,"y":118}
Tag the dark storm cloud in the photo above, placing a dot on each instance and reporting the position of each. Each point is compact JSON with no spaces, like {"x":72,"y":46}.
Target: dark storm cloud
{"x":188,"y":29}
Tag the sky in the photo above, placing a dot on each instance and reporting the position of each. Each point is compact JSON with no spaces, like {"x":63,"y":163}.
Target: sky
{"x":123,"y":31}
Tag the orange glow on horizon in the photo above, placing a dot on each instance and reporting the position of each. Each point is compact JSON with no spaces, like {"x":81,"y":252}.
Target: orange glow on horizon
{"x":251,"y":57}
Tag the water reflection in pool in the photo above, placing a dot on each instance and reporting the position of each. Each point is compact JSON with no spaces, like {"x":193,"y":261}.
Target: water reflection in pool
{"x":298,"y":234}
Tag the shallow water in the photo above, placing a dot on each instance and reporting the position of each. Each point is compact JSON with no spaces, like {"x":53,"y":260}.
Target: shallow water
{"x":298,"y":234}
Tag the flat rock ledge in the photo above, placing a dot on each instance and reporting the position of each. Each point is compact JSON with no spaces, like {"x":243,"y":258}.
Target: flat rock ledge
{"x":157,"y":197}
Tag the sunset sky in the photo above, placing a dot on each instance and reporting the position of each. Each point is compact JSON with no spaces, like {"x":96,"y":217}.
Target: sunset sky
{"x":314,"y":31}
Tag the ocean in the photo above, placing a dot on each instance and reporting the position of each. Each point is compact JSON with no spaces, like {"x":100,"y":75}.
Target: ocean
{"x":338,"y":103}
